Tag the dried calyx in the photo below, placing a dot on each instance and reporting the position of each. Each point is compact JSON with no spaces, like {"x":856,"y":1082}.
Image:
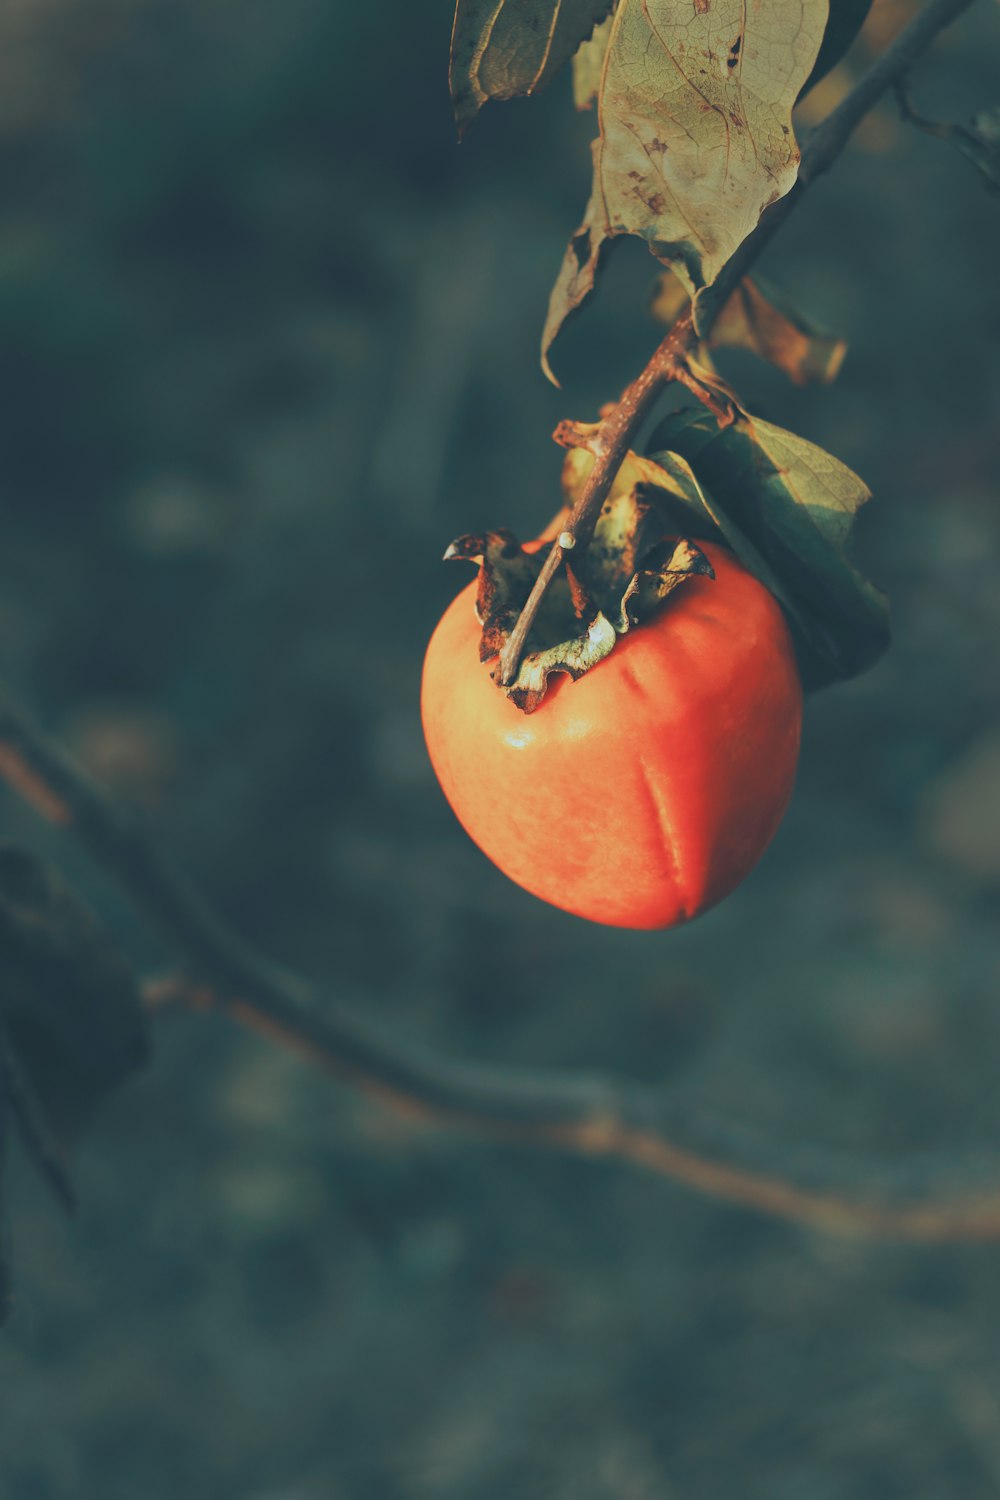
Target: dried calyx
{"x":630,"y":569}
{"x":782,"y":506}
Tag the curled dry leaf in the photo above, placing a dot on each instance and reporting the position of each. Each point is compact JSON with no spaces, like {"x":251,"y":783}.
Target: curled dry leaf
{"x":503,"y":48}
{"x":651,"y":585}
{"x":574,"y":657}
{"x":630,"y":570}
{"x":696,"y":135}
{"x":506,"y":575}
{"x":758,"y":318}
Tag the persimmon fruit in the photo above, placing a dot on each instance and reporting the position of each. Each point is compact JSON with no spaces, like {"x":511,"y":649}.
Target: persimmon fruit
{"x":644,"y":792}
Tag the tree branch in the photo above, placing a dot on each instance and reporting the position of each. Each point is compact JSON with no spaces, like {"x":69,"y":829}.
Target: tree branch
{"x":587,"y":1115}
{"x":668,"y":364}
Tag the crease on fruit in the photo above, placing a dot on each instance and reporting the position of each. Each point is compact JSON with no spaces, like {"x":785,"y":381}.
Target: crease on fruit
{"x":668,"y":839}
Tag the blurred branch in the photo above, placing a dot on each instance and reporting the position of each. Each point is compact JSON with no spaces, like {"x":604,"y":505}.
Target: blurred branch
{"x":668,"y":365}
{"x":587,"y":1115}
{"x":978,"y":141}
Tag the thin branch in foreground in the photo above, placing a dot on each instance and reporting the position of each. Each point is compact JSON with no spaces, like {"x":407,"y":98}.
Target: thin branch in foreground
{"x":586,"y":1115}
{"x":590,"y":1116}
{"x":668,"y":364}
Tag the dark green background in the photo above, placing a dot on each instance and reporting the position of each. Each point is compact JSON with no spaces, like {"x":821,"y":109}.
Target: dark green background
{"x":267,"y":342}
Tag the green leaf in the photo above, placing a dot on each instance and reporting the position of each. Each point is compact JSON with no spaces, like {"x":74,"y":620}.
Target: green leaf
{"x":629,"y":572}
{"x":669,"y":484}
{"x":787,"y":509}
{"x":758,"y":318}
{"x":503,"y":48}
{"x":696,"y":134}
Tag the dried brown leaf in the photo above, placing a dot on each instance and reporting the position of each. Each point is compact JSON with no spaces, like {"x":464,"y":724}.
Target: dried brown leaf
{"x":758,"y":318}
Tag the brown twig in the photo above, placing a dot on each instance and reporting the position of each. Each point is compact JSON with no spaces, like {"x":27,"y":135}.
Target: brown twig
{"x":588,"y":1115}
{"x":621,"y":423}
{"x":609,"y":444}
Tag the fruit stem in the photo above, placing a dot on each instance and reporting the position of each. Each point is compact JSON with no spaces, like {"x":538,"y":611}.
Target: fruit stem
{"x":609,"y":444}
{"x":613,"y":437}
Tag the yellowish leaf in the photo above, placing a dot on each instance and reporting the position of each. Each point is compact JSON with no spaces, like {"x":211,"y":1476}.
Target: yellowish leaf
{"x":588,"y":61}
{"x":696,"y":134}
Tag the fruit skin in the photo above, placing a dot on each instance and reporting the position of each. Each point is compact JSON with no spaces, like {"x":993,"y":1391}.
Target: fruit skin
{"x":641,"y":794}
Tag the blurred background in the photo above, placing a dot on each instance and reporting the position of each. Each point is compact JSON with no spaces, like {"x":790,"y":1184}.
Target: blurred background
{"x":268,"y":340}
